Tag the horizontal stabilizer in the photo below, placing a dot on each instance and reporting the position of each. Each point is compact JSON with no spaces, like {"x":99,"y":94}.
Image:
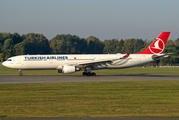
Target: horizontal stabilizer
{"x":157,"y":57}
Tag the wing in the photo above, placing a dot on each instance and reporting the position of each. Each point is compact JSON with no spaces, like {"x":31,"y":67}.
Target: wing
{"x":101,"y":62}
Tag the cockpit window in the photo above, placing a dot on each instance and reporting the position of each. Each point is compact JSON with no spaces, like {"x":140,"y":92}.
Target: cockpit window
{"x":9,"y":59}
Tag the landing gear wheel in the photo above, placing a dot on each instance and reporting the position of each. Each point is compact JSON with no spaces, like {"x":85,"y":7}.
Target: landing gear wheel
{"x":84,"y":73}
{"x":20,"y":74}
{"x":93,"y":74}
{"x":88,"y":74}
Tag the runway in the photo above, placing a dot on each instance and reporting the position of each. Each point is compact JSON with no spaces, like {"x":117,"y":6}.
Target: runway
{"x":12,"y":79}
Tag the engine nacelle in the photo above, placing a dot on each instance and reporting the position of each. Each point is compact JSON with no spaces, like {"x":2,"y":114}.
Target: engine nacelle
{"x":69,"y":69}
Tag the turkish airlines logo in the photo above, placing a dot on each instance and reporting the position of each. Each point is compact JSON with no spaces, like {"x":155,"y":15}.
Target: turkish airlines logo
{"x":157,"y":47}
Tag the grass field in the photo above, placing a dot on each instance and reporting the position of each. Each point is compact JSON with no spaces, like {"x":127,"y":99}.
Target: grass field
{"x":91,"y":99}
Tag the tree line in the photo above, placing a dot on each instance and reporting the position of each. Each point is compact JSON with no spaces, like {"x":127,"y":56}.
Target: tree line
{"x":12,"y":44}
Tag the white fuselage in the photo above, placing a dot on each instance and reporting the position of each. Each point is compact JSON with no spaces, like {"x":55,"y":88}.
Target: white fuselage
{"x":57,"y":61}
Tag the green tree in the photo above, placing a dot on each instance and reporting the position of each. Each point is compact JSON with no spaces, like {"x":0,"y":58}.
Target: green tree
{"x":19,"y":49}
{"x":16,"y":38}
{"x":138,"y":45}
{"x":128,"y":46}
{"x":176,"y":42}
{"x":113,"y":46}
{"x":95,"y":46}
{"x":1,"y":57}
{"x":170,"y":47}
{"x":35,"y":44}
{"x":7,"y":49}
{"x":58,"y":46}
{"x":4,"y":36}
{"x":7,"y":42}
{"x":133,"y":45}
{"x":69,"y":44}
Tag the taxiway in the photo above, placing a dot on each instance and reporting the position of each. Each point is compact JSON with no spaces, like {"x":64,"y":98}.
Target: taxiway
{"x":12,"y":79}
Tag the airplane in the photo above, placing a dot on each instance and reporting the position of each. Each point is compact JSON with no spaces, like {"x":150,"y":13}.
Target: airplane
{"x":70,"y":63}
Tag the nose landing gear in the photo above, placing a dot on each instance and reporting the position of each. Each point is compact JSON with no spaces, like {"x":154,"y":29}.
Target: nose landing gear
{"x":20,"y":73}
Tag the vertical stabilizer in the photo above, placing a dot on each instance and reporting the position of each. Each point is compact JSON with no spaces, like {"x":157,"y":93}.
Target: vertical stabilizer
{"x":158,"y":45}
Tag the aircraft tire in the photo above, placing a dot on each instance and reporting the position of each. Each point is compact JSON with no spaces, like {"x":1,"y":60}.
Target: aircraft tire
{"x":93,"y":74}
{"x":84,"y":73}
{"x":20,"y":74}
{"x":88,"y":74}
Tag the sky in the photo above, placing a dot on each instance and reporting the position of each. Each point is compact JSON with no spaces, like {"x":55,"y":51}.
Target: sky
{"x":104,"y":19}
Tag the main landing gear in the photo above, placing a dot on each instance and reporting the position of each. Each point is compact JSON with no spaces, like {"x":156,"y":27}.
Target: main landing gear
{"x":89,"y":73}
{"x":20,"y":73}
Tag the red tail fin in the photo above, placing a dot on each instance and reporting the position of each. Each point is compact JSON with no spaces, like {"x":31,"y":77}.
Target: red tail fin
{"x":158,"y":45}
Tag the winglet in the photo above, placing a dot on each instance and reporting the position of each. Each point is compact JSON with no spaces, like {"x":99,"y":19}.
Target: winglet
{"x":126,"y":55}
{"x":158,"y":45}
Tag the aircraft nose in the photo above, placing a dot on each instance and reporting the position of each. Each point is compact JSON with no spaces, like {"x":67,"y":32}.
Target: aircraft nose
{"x":4,"y":63}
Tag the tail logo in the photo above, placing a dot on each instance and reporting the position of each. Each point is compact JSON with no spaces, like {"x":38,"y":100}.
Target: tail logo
{"x":157,"y":47}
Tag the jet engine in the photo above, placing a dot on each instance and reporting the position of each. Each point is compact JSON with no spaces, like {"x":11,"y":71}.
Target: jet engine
{"x":68,"y":69}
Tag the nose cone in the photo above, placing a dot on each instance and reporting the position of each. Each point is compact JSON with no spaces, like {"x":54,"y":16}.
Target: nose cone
{"x":7,"y":64}
{"x":4,"y":63}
